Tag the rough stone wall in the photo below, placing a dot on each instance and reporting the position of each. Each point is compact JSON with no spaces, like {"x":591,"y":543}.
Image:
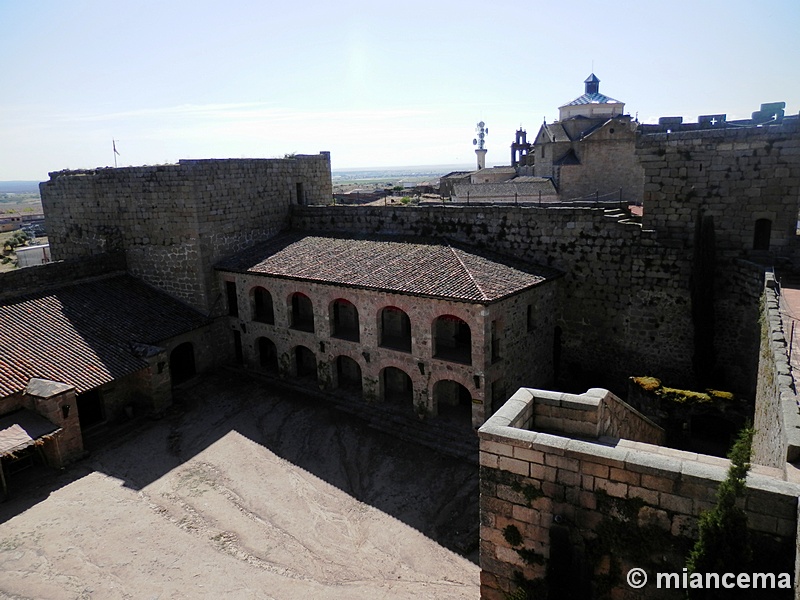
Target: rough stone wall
{"x":526,"y":345}
{"x":599,"y":509}
{"x":737,"y":175}
{"x":521,"y":356}
{"x":55,"y":274}
{"x":777,"y":420}
{"x":609,"y":168}
{"x":621,"y":292}
{"x":174,"y":221}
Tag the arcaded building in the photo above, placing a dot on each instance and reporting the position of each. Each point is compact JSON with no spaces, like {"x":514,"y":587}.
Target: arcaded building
{"x":426,"y":325}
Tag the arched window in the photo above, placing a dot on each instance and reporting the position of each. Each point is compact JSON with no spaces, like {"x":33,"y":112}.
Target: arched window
{"x":348,"y":374}
{"x":453,"y":401}
{"x":761,"y":235}
{"x":452,"y":339}
{"x":397,"y":388}
{"x":305,"y":363}
{"x":262,"y":306}
{"x":395,"y":329}
{"x":344,"y":320}
{"x":302,"y":313}
{"x":267,"y":354}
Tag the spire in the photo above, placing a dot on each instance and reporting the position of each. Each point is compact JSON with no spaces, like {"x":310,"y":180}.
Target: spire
{"x":592,"y":84}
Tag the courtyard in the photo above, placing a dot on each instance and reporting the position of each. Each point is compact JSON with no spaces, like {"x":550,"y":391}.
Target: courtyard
{"x":245,"y":491}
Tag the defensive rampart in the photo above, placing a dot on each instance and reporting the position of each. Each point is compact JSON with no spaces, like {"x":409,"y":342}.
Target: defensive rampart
{"x":173,"y":222}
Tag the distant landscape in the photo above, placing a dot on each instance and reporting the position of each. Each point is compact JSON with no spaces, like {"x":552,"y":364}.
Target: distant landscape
{"x":16,"y":196}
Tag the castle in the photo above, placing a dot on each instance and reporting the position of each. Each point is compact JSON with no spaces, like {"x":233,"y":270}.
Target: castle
{"x":165,"y":271}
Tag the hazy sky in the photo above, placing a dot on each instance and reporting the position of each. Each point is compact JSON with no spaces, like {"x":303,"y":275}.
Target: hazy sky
{"x":376,"y":83}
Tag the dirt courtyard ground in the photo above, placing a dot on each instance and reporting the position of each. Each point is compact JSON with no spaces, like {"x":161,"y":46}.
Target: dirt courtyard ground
{"x":246,"y":492}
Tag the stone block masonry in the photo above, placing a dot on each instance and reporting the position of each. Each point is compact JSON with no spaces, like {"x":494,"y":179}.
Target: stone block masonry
{"x":777,"y":418}
{"x":577,"y":509}
{"x":623,"y":291}
{"x":173,"y":222}
{"x":736,"y":175}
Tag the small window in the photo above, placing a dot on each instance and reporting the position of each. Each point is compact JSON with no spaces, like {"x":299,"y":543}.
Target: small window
{"x":233,"y":301}
{"x":495,"y":349}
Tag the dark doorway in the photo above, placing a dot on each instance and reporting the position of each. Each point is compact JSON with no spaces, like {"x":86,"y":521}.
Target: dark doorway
{"x":395,"y":329}
{"x":181,"y":363}
{"x":452,"y":340}
{"x":91,"y":411}
{"x":344,"y":320}
{"x":305,"y":363}
{"x":233,"y":301}
{"x":453,"y":401}
{"x":397,"y":387}
{"x":761,"y":235}
{"x":267,"y":355}
{"x":263,"y":311}
{"x":348,"y":374}
{"x":302,"y":312}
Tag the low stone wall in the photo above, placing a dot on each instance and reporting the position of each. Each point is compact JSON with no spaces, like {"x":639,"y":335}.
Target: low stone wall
{"x":575,"y":515}
{"x":55,"y":274}
{"x":777,"y":419}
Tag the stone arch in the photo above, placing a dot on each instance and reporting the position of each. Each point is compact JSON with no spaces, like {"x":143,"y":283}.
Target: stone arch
{"x":267,"y":354}
{"x":301,"y":312}
{"x":453,"y":401}
{"x":344,"y":320}
{"x":182,"y":363}
{"x":397,"y":388}
{"x":452,"y":339}
{"x":305,"y":363}
{"x":262,"y":308}
{"x":348,"y":374}
{"x":394,"y":328}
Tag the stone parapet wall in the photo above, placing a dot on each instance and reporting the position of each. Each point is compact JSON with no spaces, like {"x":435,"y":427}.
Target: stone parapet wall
{"x":173,"y":222}
{"x":41,"y":277}
{"x":777,"y":418}
{"x":600,"y":508}
{"x":503,"y":192}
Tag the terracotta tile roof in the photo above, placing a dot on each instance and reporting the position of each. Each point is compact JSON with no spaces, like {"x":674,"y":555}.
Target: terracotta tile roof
{"x":84,"y":334}
{"x":434,"y":268}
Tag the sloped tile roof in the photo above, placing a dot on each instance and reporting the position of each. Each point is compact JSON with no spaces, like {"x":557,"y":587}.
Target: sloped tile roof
{"x":433,"y":268}
{"x":596,"y":98}
{"x":84,"y":334}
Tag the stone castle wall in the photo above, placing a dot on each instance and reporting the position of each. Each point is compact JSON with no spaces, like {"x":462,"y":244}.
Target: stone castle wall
{"x":579,"y":513}
{"x":608,"y":168}
{"x":173,"y":222}
{"x":777,"y":420}
{"x":622,"y":290}
{"x":737,"y":175}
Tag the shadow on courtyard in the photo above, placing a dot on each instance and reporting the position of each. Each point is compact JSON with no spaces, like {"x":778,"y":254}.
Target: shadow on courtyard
{"x":429,"y":491}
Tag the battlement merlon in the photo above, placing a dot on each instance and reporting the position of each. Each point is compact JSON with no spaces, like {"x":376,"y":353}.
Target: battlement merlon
{"x":770,"y":113}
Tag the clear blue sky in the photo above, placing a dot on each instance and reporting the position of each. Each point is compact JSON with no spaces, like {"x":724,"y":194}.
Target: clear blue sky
{"x":376,"y":83}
